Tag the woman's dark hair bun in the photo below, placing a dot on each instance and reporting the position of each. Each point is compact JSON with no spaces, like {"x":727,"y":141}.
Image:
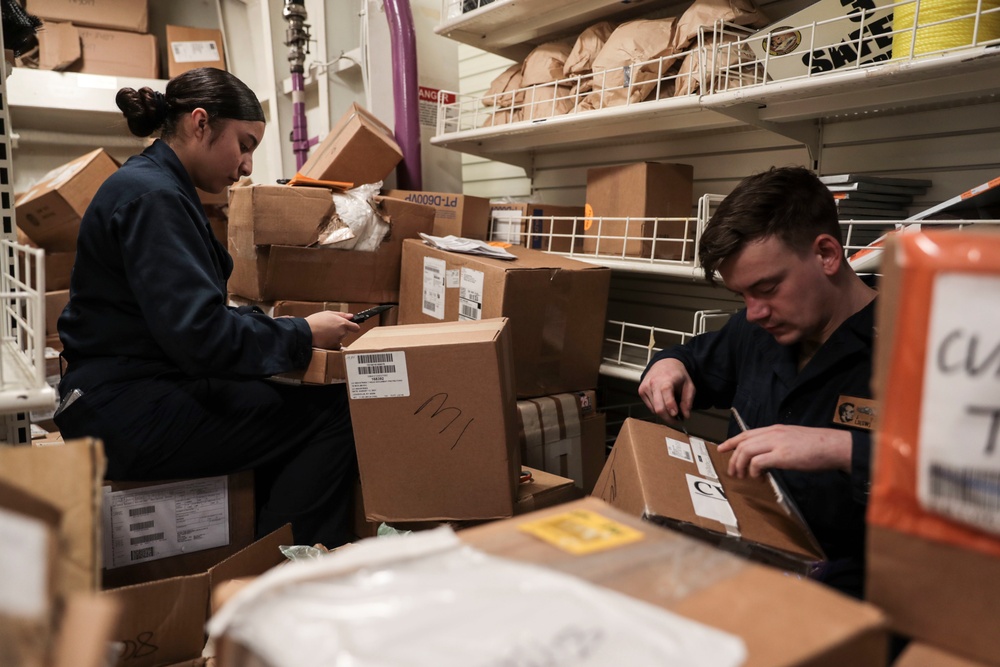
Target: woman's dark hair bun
{"x":145,"y":110}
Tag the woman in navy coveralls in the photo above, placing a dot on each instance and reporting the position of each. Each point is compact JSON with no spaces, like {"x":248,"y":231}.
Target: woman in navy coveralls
{"x":170,"y":377}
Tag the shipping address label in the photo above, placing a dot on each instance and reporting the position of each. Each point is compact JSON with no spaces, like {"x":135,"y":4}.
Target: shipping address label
{"x":433,"y":292}
{"x":958,"y":459}
{"x":470,"y":295}
{"x":377,"y":375}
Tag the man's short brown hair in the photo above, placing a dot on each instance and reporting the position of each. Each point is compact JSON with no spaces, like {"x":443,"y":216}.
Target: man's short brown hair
{"x":787,"y":202}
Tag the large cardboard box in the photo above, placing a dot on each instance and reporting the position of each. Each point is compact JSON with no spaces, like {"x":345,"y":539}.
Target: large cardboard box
{"x":933,"y":549}
{"x":539,"y":226}
{"x":554,"y":437}
{"x":116,"y":53}
{"x":359,"y":149}
{"x":155,"y":530}
{"x":923,"y":655}
{"x":435,"y":420}
{"x":783,"y":620}
{"x":55,"y":302}
{"x":67,"y":476}
{"x":266,"y":273}
{"x":279,"y":214}
{"x":58,"y":270}
{"x":456,"y":215}
{"x":115,"y":14}
{"x":58,"y":45}
{"x":50,"y":212}
{"x":661,"y":475}
{"x":641,"y":190}
{"x":191,"y":48}
{"x":325,"y":367}
{"x":556,"y":306}
{"x":164,"y":621}
{"x":833,"y":30}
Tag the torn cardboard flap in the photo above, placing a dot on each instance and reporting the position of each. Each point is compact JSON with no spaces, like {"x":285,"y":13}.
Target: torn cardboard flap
{"x":645,"y":478}
{"x":58,"y":45}
{"x":278,"y":214}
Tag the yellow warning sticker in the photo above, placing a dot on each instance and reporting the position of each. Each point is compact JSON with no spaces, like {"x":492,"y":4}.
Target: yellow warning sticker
{"x":581,"y":532}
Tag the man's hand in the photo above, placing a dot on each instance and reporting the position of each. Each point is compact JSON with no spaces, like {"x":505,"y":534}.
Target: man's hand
{"x":329,"y":328}
{"x":664,"y":382}
{"x":788,"y":448}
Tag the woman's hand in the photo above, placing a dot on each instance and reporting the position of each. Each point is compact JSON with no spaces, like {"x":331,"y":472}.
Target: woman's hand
{"x":329,"y":328}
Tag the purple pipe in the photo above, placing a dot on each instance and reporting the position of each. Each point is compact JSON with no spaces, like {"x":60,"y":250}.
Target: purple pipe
{"x":404,"y":89}
{"x":300,"y":135}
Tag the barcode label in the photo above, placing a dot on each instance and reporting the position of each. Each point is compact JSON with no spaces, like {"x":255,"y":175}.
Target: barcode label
{"x":979,"y":488}
{"x":386,"y":378}
{"x":141,"y":554}
{"x":377,"y":358}
{"x":469,"y":311}
{"x":433,"y":289}
{"x":429,"y":305}
{"x":470,"y":294}
{"x":143,"y":539}
{"x":139,"y":511}
{"x":376,"y":370}
{"x":133,"y":527}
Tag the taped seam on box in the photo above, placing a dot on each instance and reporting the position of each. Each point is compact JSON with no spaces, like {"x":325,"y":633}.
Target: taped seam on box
{"x":554,"y":330}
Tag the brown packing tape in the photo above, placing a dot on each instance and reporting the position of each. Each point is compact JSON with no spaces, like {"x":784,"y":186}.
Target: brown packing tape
{"x":551,"y":435}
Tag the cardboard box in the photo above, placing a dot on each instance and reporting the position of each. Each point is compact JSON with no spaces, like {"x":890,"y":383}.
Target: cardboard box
{"x":50,"y":212}
{"x":556,"y":307}
{"x":932,"y":513}
{"x":640,"y":190}
{"x":783,"y":621}
{"x":552,"y":437}
{"x":55,"y":302}
{"x":143,"y":525}
{"x":922,"y":655}
{"x":164,"y":621}
{"x":279,"y":214}
{"x":360,"y":149}
{"x":306,"y":308}
{"x":539,"y":226}
{"x":325,"y":367}
{"x":266,"y":273}
{"x":834,"y":30}
{"x":116,"y":14}
{"x":191,"y":48}
{"x":28,"y":555}
{"x":673,"y":486}
{"x":58,"y":270}
{"x":116,"y":53}
{"x":456,"y":215}
{"x":435,"y":420}
{"x":69,"y":477}
{"x":58,"y":45}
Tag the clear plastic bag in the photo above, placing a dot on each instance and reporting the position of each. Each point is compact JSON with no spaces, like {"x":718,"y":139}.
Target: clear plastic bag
{"x":356,"y":225}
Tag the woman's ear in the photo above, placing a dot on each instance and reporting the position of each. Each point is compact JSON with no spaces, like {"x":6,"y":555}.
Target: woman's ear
{"x":199,"y":122}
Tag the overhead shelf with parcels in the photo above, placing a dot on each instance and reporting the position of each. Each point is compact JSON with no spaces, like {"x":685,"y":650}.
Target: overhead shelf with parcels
{"x":745,"y":83}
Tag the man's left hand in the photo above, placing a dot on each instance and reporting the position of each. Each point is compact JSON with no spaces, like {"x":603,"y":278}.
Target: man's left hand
{"x":788,"y":448}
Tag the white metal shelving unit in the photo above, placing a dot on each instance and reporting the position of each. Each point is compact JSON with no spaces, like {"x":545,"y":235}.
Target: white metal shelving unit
{"x":22,"y":306}
{"x":740,"y":91}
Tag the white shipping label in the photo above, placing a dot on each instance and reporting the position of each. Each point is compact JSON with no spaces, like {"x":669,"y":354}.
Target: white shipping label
{"x":470,"y":295}
{"x":377,"y":375}
{"x":702,"y":459}
{"x":24,"y":564}
{"x":679,"y":450}
{"x":451,"y":279}
{"x":433,"y":295}
{"x":195,"y":52}
{"x":167,"y":520}
{"x":958,"y":460}
{"x":710,"y":502}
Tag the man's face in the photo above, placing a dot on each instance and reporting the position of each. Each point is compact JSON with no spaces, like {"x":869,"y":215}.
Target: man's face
{"x":786,"y":293}
{"x":847,"y":413}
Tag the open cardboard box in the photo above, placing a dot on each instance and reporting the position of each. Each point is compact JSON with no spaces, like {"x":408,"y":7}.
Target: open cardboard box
{"x":656,"y":473}
{"x":783,"y":620}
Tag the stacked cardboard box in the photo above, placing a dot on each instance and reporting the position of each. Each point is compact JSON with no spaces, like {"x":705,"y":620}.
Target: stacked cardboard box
{"x":933,"y":549}
{"x":435,"y":422}
{"x":556,"y":306}
{"x":564,"y":435}
{"x":455,"y":214}
{"x":626,"y":205}
{"x":101,"y":37}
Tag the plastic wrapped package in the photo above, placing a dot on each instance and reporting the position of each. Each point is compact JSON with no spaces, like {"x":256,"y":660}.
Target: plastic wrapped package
{"x":356,"y":225}
{"x":427,"y":599}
